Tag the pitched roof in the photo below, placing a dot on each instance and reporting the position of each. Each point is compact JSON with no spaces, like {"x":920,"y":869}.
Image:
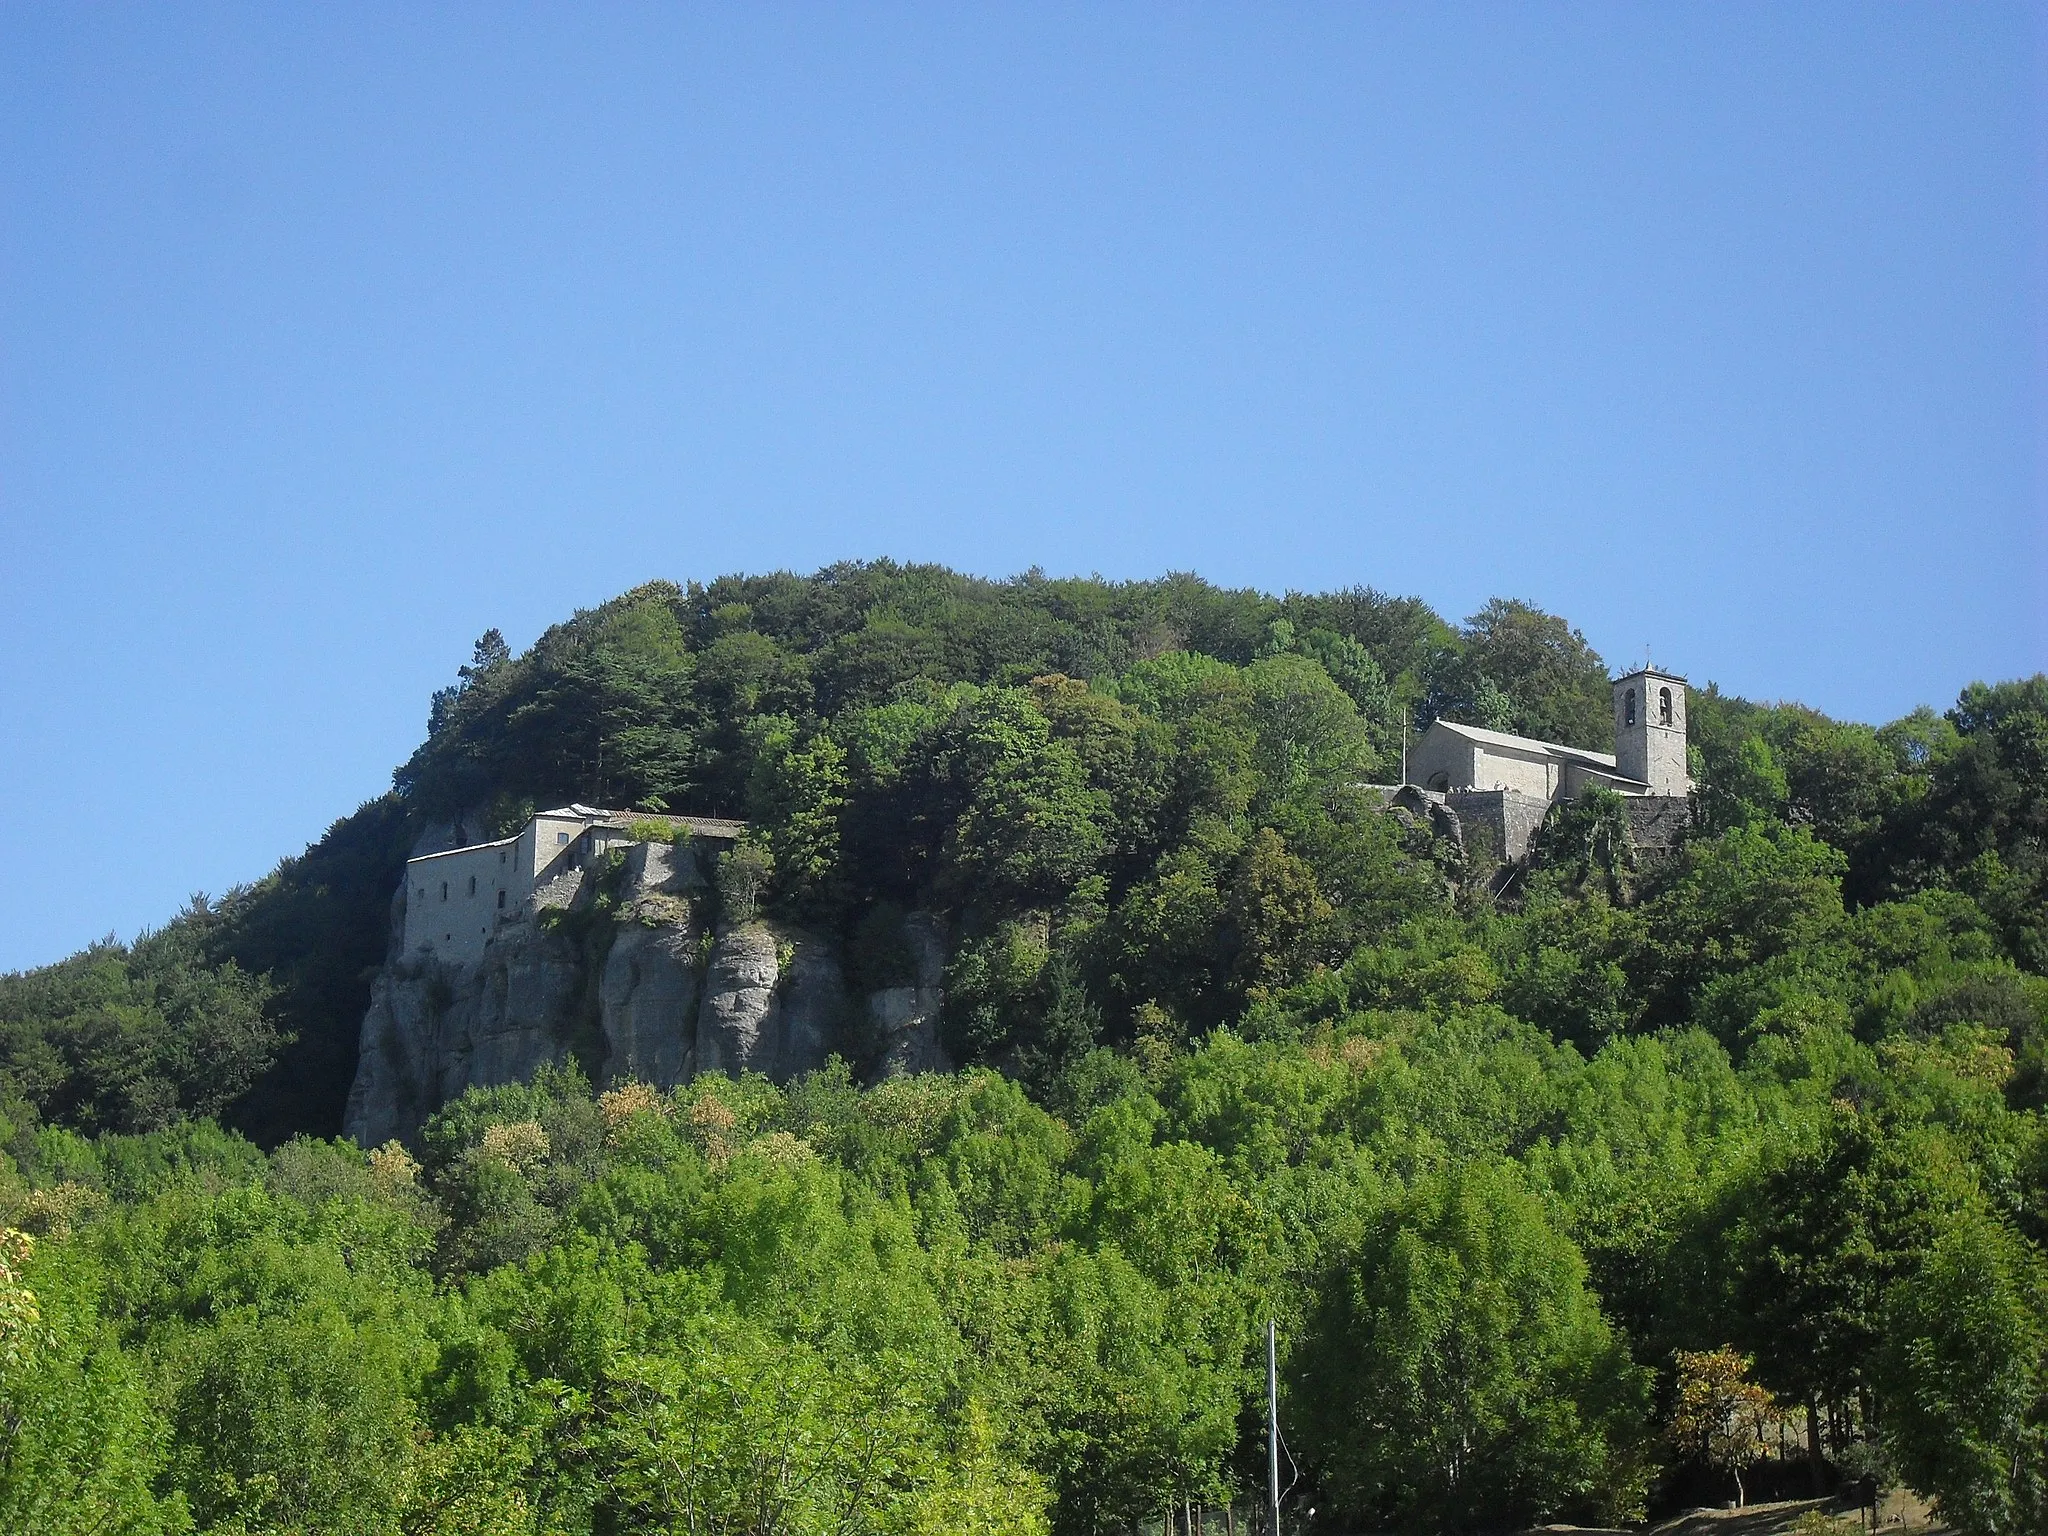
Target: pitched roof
{"x":442,"y":853}
{"x":1484,"y":737}
{"x":703,"y":826}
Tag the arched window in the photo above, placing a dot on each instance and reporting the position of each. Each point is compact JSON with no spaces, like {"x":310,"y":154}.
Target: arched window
{"x":1663,"y":706}
{"x":1628,"y":707}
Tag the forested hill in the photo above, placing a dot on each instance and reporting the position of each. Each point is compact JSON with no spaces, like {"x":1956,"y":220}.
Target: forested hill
{"x":1513,"y":1154}
{"x":1160,"y":768}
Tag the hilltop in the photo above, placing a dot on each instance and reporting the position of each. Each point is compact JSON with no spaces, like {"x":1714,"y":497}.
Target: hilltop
{"x":1134,"y":1007}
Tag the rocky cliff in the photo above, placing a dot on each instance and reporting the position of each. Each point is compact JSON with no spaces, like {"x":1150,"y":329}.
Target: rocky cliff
{"x":629,"y":973}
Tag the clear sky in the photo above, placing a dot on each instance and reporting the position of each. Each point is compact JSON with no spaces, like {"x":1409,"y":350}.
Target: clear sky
{"x":331,"y":336}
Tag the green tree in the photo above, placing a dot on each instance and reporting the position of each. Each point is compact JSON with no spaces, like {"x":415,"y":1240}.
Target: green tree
{"x":1458,"y":1374}
{"x":1275,"y":910}
{"x":1734,"y":902}
{"x":1586,"y":845}
{"x":1748,"y":789}
{"x":81,"y":1445}
{"x":1962,"y":1369}
{"x":297,"y":1420}
{"x":1557,"y":682}
{"x":796,"y":792}
{"x":1982,"y":824}
{"x":1353,"y":668}
{"x":1456,"y":687}
{"x":136,"y":1037}
{"x":1030,"y":826}
{"x":1821,"y":1235}
{"x":744,"y":1433}
{"x":1309,"y":732}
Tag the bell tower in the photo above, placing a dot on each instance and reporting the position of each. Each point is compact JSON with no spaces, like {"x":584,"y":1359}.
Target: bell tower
{"x":1649,"y":730}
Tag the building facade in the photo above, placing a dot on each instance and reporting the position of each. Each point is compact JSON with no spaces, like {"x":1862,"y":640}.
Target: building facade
{"x":457,"y":900}
{"x":1508,"y":783}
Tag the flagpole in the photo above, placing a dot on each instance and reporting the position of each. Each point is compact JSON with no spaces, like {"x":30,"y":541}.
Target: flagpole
{"x":1273,"y":1422}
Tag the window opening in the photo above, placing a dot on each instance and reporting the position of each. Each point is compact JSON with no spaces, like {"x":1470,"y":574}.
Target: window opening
{"x":1663,"y":706}
{"x":1628,"y":707}
{"x":444,"y":890}
{"x":501,"y":901}
{"x":472,"y":885}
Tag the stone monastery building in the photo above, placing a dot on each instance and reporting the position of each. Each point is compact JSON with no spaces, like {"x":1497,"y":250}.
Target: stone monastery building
{"x":455,"y":901}
{"x":1505,"y":784}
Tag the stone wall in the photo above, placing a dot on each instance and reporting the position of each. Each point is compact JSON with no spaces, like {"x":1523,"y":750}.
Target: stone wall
{"x":1505,"y":819}
{"x":1441,"y":760}
{"x":1658,"y":823}
{"x":454,"y":901}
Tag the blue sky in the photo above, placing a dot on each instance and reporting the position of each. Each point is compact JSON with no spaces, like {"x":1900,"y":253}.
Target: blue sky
{"x":332,"y":336}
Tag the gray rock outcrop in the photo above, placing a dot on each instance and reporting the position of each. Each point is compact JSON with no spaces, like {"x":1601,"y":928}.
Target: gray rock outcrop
{"x":640,"y":988}
{"x":433,"y":1030}
{"x":647,"y":1004}
{"x":733,"y":1031}
{"x":647,"y":994}
{"x":905,"y":1019}
{"x":774,"y":1000}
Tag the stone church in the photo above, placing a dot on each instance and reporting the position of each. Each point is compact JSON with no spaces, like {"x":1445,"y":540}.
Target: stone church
{"x":1500,"y":786}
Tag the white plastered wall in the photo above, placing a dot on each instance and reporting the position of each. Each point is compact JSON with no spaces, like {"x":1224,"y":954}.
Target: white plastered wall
{"x":1441,"y":760}
{"x":1534,"y":776}
{"x":454,"y":900}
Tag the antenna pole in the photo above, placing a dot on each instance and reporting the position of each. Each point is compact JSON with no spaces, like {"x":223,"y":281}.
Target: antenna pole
{"x":1272,"y":1429}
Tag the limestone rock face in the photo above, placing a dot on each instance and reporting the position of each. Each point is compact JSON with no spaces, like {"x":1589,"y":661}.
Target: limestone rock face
{"x":773,"y":1001}
{"x":647,"y":992}
{"x":905,"y":1019}
{"x":632,"y":987}
{"x":739,"y":993}
{"x":813,"y":1005}
{"x":647,"y":1004}
{"x":433,"y":1030}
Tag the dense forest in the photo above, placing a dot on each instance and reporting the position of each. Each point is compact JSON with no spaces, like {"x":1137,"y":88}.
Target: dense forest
{"x":1579,"y":1189}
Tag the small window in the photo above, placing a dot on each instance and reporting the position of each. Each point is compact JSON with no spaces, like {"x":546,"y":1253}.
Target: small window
{"x":1663,"y":706}
{"x":561,"y":838}
{"x":423,"y":893}
{"x":1628,"y":707}
{"x":472,"y":885}
{"x":501,"y":855}
{"x":501,"y":901}
{"x":444,"y":890}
